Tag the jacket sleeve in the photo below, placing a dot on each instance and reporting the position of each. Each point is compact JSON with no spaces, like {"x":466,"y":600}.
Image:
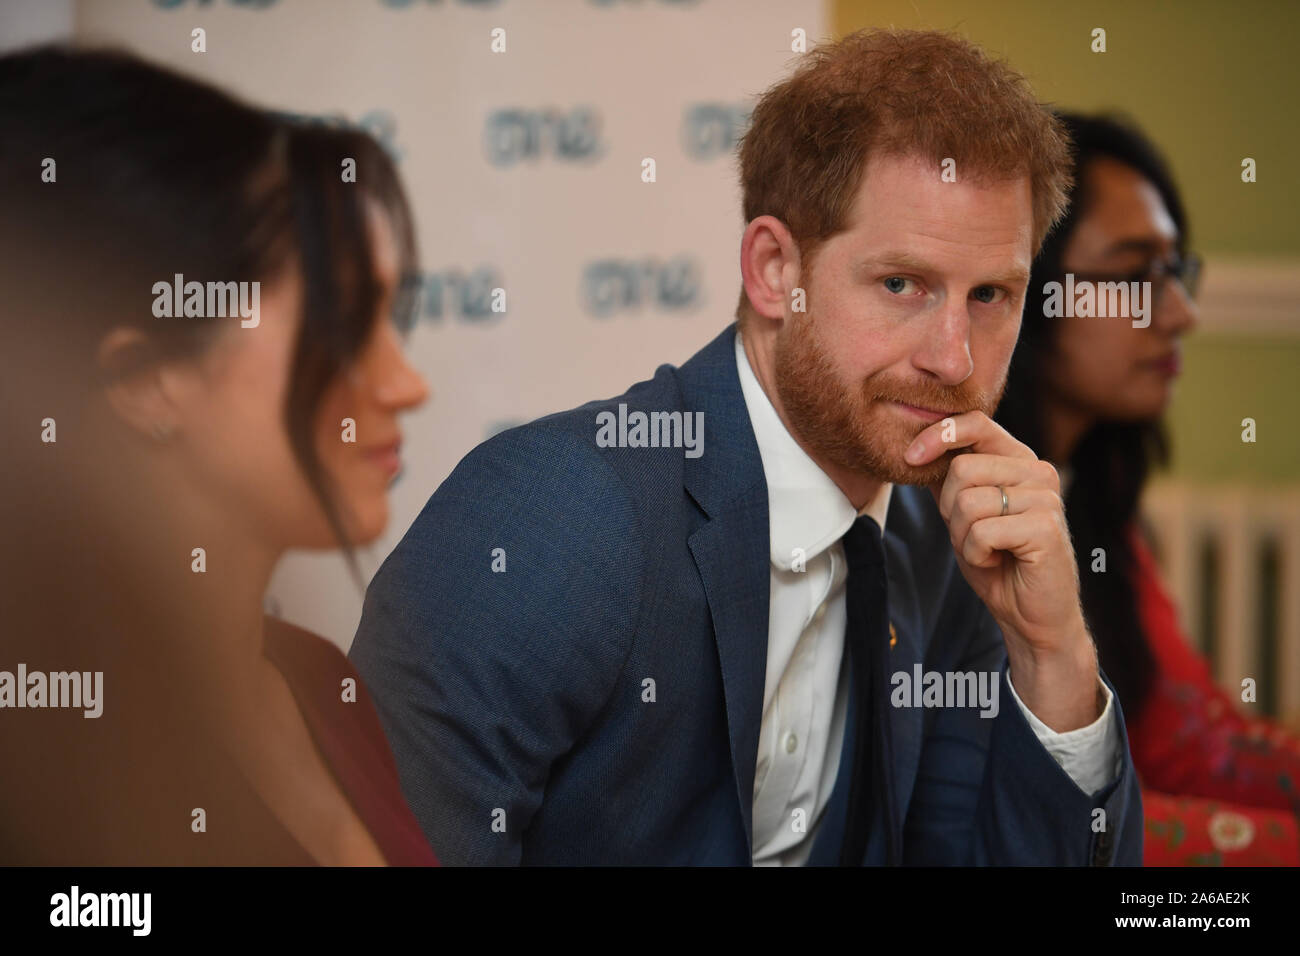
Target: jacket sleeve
{"x":492,"y":636}
{"x":989,"y":793}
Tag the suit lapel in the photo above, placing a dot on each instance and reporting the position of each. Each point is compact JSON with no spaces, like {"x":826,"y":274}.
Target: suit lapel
{"x":731,"y":550}
{"x":735,"y":576}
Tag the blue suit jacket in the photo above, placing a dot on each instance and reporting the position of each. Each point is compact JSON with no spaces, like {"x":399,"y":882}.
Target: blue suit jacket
{"x":599,"y":700}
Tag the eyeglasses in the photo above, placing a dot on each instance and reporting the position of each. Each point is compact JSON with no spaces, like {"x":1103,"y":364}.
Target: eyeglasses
{"x":1186,"y":269}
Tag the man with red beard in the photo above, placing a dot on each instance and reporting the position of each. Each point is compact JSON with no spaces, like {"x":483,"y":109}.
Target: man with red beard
{"x":768,"y":651}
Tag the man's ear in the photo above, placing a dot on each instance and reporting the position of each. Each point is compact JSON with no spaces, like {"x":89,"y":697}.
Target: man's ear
{"x":136,"y":382}
{"x":769,"y":264}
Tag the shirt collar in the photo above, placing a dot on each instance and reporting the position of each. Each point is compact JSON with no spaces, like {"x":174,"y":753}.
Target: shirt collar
{"x":806,"y":509}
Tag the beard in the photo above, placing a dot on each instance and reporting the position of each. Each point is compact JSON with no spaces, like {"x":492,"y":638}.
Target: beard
{"x":855,"y":427}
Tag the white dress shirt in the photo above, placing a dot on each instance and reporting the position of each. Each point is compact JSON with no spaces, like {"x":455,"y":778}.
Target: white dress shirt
{"x":805,"y":693}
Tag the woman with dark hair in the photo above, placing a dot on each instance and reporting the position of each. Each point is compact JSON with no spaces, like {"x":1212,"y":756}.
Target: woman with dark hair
{"x":1088,"y":393}
{"x":203,"y":369}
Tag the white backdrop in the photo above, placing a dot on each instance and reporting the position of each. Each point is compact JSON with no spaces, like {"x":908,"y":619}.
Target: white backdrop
{"x":524,"y":168}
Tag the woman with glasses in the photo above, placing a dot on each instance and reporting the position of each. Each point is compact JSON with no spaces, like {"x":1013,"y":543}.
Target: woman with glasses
{"x":1087,"y":392}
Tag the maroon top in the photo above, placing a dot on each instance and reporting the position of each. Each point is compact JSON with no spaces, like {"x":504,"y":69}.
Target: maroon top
{"x":349,"y":737}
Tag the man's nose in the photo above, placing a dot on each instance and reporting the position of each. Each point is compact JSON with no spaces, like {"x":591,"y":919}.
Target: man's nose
{"x":945,"y":352}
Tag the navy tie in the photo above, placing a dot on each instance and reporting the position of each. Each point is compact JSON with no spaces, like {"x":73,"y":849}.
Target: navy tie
{"x":866,"y":641}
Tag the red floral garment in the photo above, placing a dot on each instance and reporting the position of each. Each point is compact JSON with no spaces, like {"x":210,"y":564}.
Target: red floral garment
{"x":1194,"y":831}
{"x":1219,"y":788}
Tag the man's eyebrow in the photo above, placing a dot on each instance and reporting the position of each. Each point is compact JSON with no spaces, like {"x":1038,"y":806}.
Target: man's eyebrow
{"x":896,"y":260}
{"x":905,"y":260}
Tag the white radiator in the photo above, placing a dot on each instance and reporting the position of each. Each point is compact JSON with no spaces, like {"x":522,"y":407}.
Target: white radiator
{"x":1237,"y":526}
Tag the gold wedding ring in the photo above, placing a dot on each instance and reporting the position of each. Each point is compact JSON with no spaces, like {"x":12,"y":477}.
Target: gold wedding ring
{"x":1006,"y":503}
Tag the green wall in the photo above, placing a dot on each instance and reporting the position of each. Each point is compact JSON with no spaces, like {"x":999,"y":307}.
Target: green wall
{"x":1224,"y":380}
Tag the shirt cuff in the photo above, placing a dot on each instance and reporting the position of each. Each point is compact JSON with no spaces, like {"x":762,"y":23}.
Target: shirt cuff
{"x":1089,"y":755}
